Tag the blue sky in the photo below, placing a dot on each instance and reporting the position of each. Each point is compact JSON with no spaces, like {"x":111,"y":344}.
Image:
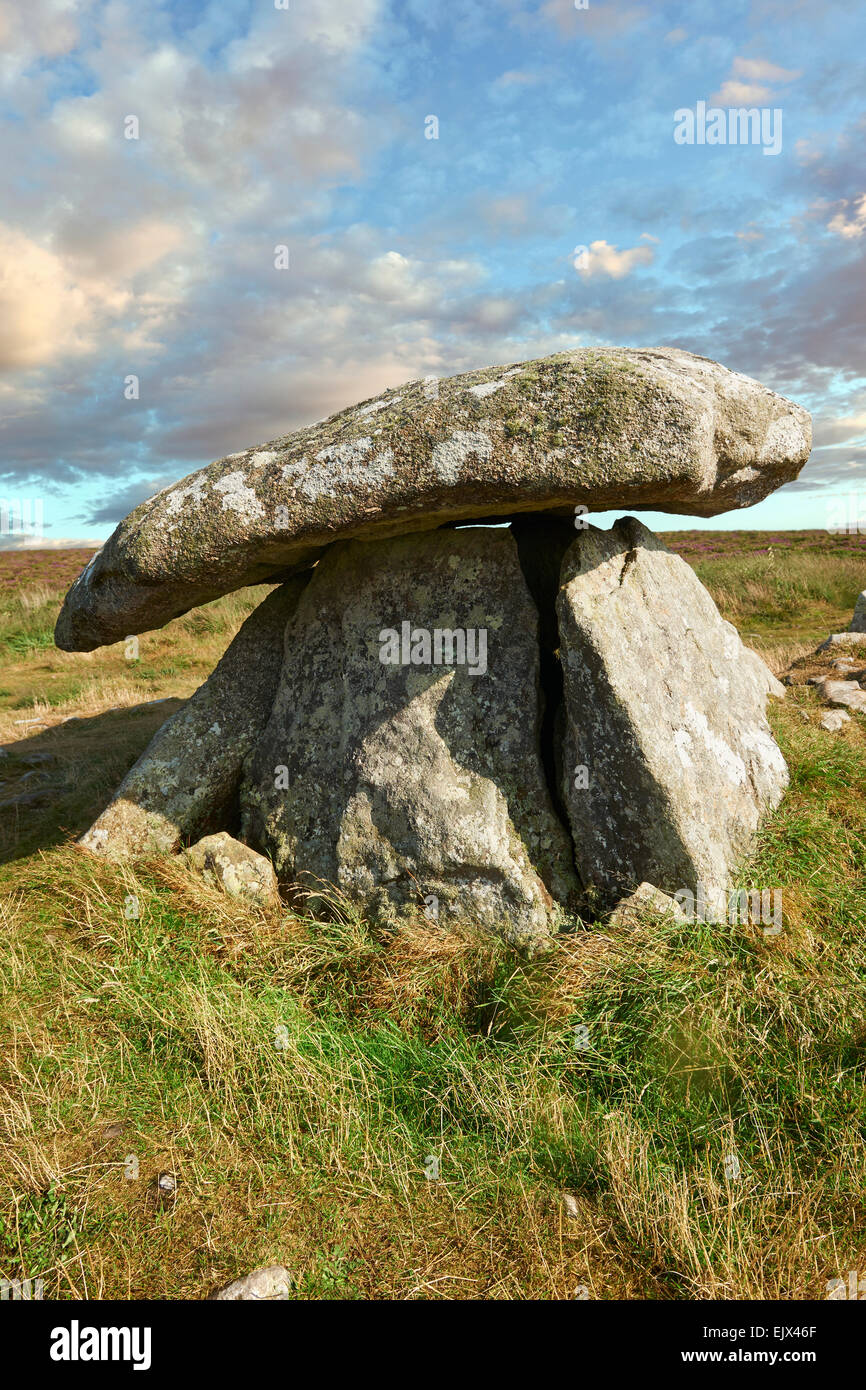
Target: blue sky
{"x":408,"y":256}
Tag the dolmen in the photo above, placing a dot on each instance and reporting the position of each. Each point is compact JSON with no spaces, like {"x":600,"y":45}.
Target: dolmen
{"x":462,"y":698}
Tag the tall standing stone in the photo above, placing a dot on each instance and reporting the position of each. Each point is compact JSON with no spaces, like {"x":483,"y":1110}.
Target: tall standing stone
{"x":669,"y":760}
{"x":390,"y":768}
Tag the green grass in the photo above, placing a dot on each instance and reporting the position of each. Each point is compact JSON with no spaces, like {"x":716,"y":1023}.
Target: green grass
{"x":298,"y":1076}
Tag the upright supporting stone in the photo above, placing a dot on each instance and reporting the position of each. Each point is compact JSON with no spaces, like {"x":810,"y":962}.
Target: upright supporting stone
{"x":191,"y":767}
{"x":669,"y":760}
{"x":401,"y":762}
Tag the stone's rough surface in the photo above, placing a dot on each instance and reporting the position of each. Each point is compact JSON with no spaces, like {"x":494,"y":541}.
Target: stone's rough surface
{"x":645,"y":898}
{"x":242,"y":872}
{"x":665,"y":719}
{"x":400,"y":783}
{"x":190,"y":769}
{"x":602,"y":427}
{"x":858,"y":622}
{"x":263,"y":1285}
{"x":845,"y":693}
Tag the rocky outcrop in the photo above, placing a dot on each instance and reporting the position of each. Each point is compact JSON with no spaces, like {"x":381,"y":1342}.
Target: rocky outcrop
{"x":611,"y":427}
{"x":845,"y":694}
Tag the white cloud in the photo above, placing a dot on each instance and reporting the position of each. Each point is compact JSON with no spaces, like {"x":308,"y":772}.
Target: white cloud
{"x":599,"y":259}
{"x":39,"y":29}
{"x":517,"y":78}
{"x":92,"y":287}
{"x":45,"y":315}
{"x":748,"y":83}
{"x":14,"y":542}
{"x":851,"y":225}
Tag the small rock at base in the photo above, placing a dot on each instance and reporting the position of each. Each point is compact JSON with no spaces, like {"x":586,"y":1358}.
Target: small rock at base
{"x":242,"y":872}
{"x":261,"y":1286}
{"x":645,"y":898}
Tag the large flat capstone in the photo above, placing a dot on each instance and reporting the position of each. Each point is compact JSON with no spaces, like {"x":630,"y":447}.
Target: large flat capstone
{"x":603,"y":428}
{"x":402,"y":759}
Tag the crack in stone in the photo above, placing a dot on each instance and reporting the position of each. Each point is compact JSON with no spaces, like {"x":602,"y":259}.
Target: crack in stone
{"x":541,"y":545}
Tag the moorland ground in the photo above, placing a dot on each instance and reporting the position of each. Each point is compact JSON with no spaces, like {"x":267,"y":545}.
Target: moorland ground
{"x":298,"y":1076}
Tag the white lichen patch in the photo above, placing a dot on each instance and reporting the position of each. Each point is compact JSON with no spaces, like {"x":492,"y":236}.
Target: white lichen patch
{"x":86,"y":574}
{"x":451,"y":456}
{"x":375,"y":406}
{"x":262,"y":457}
{"x":239,"y":497}
{"x":174,"y":502}
{"x":338,"y":467}
{"x":487,"y":388}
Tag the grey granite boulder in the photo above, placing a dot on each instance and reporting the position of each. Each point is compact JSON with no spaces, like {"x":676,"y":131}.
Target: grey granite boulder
{"x":610,"y":427}
{"x":402,"y":761}
{"x":191,"y":767}
{"x":669,"y":761}
{"x":858,"y":622}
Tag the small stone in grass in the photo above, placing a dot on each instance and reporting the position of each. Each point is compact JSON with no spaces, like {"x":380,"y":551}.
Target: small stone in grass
{"x":645,"y":898}
{"x":166,"y":1186}
{"x":265,"y":1285}
{"x":240,"y":870}
{"x":844,"y":639}
{"x":847,"y":693}
{"x":834,"y":720}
